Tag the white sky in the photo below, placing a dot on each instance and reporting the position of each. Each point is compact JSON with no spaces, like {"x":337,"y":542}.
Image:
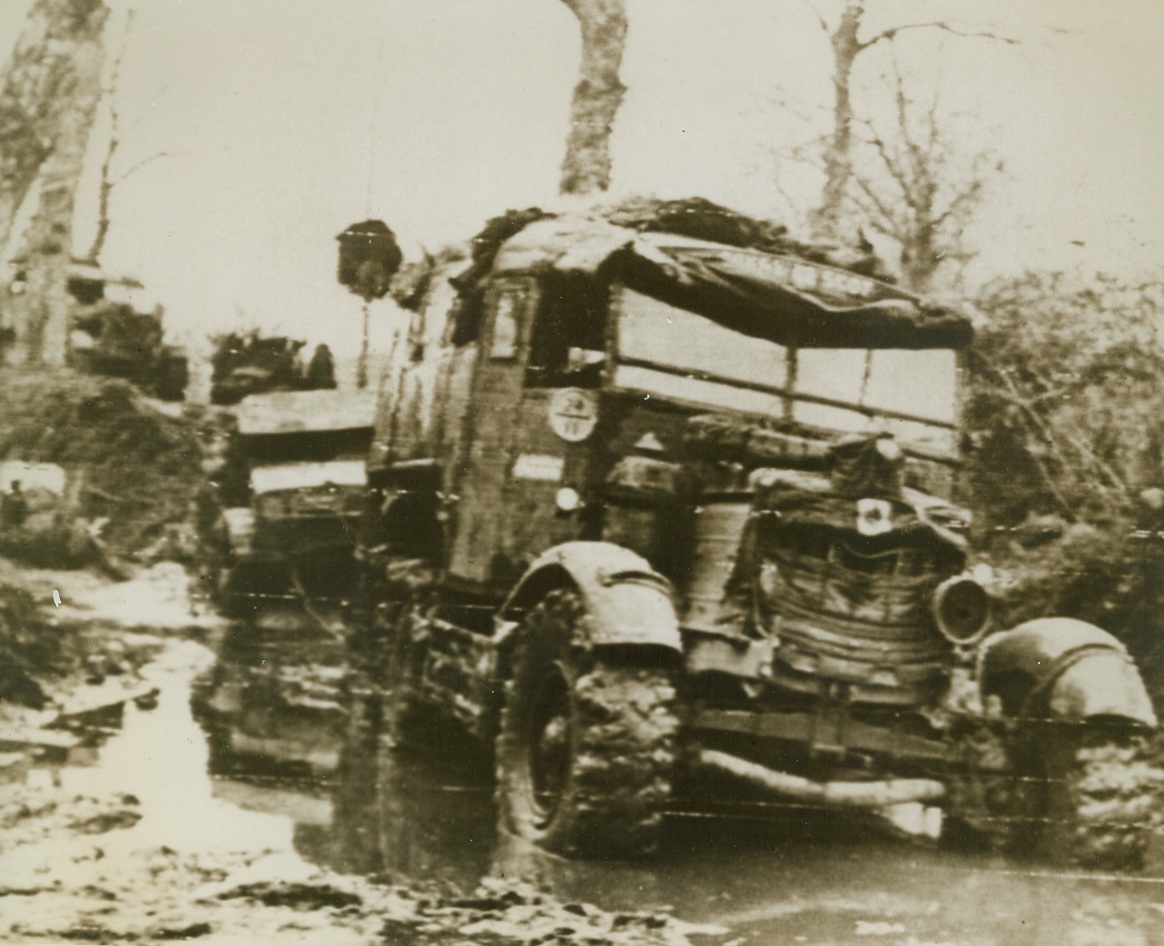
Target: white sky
{"x":286,"y":120}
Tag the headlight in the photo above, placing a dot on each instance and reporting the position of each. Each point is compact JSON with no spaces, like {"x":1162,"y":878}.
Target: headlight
{"x":962,"y":610}
{"x":567,"y":500}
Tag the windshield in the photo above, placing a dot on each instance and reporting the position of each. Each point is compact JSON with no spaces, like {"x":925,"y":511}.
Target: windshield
{"x":681,"y":356}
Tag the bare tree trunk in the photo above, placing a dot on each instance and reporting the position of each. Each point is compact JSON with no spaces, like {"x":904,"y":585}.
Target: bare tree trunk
{"x":847,"y":45}
{"x":597,"y":96}
{"x":50,"y":93}
{"x":40,"y":83}
{"x":921,"y":258}
{"x":838,"y":157}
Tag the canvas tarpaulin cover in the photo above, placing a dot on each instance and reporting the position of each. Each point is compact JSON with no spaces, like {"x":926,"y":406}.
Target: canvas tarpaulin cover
{"x":783,"y":297}
{"x":790,"y":301}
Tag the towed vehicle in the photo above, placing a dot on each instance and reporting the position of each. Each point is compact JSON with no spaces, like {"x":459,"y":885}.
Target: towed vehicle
{"x":293,"y":490}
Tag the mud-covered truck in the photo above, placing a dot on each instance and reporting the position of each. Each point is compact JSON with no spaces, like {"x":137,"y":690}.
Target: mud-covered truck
{"x":293,"y":488}
{"x":654,"y":513}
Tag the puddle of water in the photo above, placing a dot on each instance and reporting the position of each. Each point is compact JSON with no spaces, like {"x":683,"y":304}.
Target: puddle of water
{"x":160,"y":757}
{"x":833,"y":883}
{"x":396,"y":818}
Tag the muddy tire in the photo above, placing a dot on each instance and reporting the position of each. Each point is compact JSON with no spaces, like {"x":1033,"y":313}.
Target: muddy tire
{"x":1099,"y":800}
{"x":586,"y":747}
{"x":1059,"y":793}
{"x":996,"y":798}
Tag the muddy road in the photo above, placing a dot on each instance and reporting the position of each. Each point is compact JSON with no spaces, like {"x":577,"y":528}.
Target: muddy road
{"x":156,"y":835}
{"x":761,"y":883}
{"x":783,"y":882}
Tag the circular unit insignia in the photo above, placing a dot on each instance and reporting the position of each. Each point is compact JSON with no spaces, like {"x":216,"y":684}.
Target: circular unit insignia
{"x":573,"y":414}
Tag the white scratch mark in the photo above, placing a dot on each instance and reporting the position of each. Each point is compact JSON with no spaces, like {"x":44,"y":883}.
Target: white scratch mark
{"x":56,"y":597}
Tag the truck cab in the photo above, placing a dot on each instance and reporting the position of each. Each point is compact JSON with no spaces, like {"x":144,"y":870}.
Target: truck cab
{"x":553,"y":402}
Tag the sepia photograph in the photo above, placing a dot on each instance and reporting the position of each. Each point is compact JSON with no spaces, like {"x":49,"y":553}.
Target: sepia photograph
{"x":578,"y":472}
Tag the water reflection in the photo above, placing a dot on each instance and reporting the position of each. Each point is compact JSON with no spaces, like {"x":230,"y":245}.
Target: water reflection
{"x":396,"y":817}
{"x":273,"y":705}
{"x":402,"y":819}
{"x":406,"y":818}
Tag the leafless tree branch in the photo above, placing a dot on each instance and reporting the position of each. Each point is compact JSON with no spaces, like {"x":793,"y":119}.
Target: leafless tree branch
{"x":137,"y":166}
{"x":892,"y":33}
{"x":889,"y":223}
{"x":106,"y":183}
{"x":809,"y":113}
{"x":1014,"y":396}
{"x":918,"y":189}
{"x":824,"y":24}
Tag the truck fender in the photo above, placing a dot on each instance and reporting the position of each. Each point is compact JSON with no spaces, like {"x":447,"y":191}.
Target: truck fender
{"x":629,"y":602}
{"x":1065,"y":669}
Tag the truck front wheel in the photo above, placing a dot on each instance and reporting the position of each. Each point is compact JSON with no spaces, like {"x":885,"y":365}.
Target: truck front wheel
{"x":586,"y":747}
{"x":1100,"y":799}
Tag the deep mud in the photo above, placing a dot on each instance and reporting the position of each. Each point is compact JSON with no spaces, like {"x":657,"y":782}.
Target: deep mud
{"x":241,"y":828}
{"x":122,"y":834}
{"x":83,"y":858}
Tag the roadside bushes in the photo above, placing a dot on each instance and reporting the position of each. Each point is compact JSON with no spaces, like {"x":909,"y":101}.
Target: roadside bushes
{"x":132,"y":472}
{"x":1065,"y":414}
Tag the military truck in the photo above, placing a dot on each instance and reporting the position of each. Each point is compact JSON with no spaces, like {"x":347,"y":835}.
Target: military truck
{"x":655,"y":515}
{"x":245,"y":364}
{"x":293,"y":488}
{"x":114,"y":331}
